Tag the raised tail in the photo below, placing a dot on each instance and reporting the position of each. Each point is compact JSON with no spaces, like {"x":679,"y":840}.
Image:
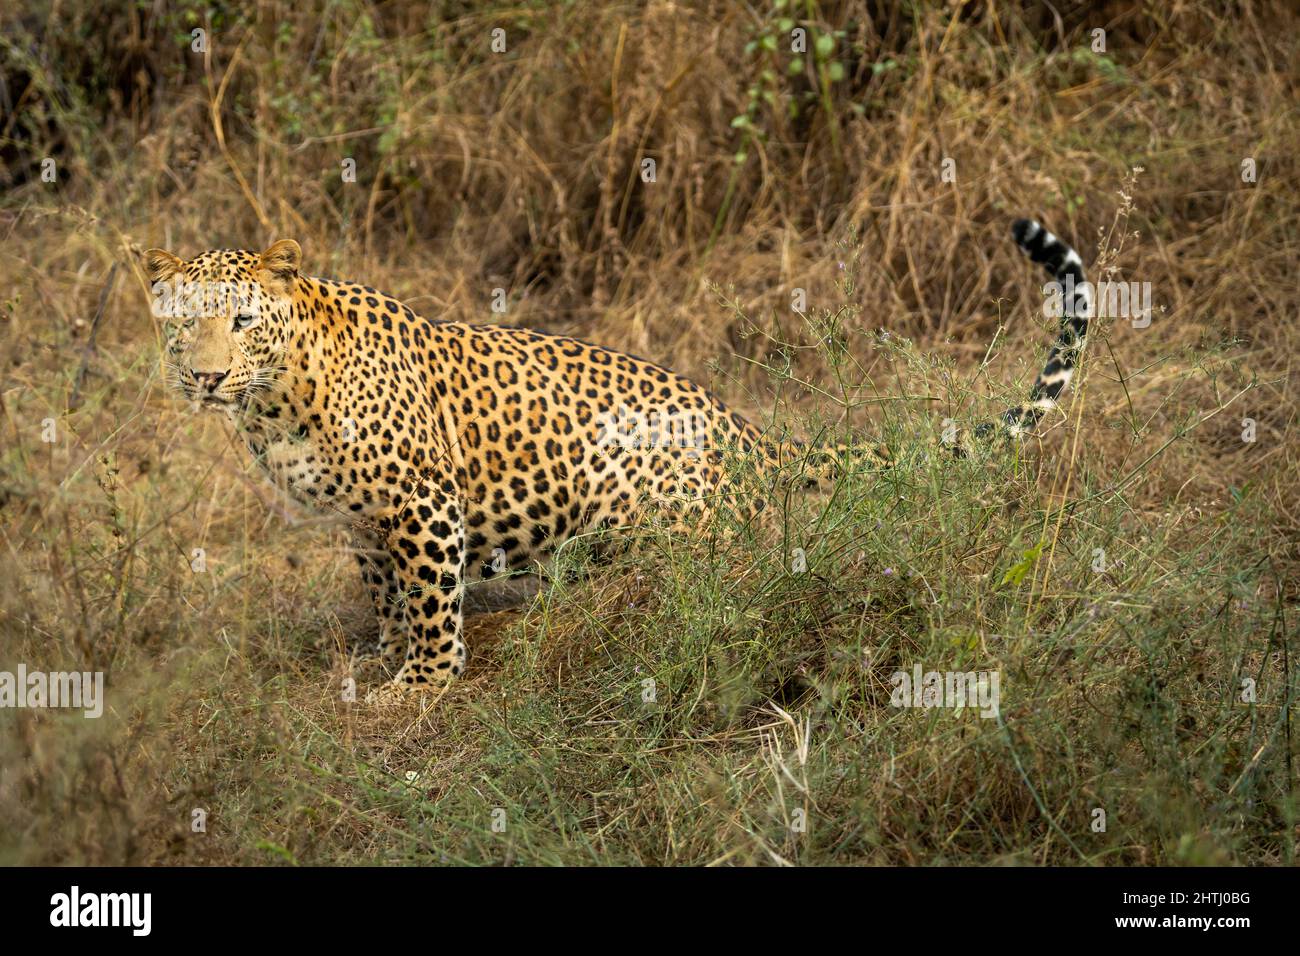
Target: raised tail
{"x":1066,"y":268}
{"x":1077,"y":303}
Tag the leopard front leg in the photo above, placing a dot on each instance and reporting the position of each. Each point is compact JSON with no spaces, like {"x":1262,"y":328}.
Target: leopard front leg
{"x":426,"y":542}
{"x":379,"y":574}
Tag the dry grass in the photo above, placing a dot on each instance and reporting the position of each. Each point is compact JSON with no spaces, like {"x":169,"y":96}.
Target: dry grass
{"x":520,"y":170}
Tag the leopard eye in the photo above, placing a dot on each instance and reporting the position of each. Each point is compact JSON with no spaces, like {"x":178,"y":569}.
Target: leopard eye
{"x":243,"y":321}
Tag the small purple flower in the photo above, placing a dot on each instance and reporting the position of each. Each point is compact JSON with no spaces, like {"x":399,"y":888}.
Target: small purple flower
{"x":889,"y":571}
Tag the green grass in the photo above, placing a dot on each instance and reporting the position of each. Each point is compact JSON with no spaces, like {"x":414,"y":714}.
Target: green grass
{"x":702,"y":699}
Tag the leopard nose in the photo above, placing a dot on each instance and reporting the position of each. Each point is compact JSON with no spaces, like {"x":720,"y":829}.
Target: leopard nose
{"x":209,"y":380}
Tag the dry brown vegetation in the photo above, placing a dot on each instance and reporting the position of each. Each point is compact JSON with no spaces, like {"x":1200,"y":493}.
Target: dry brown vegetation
{"x":520,"y":170}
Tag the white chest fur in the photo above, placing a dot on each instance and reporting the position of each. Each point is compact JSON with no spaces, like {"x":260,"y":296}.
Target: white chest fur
{"x":295,"y":464}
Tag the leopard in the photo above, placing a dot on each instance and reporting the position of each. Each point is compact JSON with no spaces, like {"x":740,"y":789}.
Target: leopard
{"x":458,"y":451}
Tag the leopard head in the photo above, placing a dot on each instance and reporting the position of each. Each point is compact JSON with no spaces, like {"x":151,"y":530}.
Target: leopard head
{"x":226,"y":319}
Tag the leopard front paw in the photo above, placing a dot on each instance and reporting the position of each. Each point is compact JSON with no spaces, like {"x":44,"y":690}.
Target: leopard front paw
{"x":391,"y":693}
{"x":408,"y":683}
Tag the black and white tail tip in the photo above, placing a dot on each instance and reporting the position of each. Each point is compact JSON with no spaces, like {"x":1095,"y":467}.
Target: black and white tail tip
{"x":1066,"y":268}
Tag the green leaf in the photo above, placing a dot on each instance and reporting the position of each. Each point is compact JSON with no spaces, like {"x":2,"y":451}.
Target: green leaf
{"x":1016,"y":573}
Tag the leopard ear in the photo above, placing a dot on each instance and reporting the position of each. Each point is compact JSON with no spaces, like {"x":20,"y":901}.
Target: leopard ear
{"x":161,"y":265}
{"x":281,"y":260}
